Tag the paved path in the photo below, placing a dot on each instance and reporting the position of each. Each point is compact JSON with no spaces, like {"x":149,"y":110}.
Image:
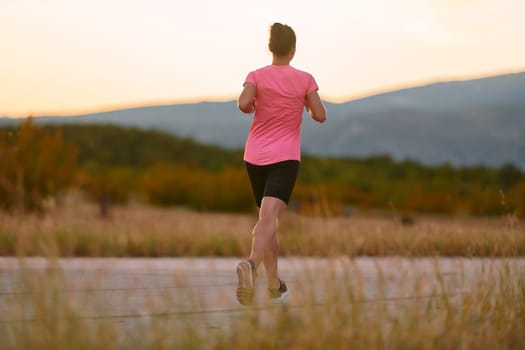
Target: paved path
{"x":203,"y":289}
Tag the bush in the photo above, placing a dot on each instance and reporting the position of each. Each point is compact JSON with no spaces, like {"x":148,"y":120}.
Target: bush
{"x":36,"y":165}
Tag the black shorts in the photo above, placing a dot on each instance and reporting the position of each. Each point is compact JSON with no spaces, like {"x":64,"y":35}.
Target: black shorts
{"x":273,"y":180}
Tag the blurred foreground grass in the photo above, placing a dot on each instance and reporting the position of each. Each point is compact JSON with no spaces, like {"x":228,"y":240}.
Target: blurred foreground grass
{"x":153,"y":232}
{"x":484,"y":310}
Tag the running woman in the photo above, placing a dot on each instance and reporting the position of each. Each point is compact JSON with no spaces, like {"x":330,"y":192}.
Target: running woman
{"x":277,"y":94}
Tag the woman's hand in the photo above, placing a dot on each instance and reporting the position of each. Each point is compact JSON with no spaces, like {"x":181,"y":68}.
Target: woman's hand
{"x":315,"y":107}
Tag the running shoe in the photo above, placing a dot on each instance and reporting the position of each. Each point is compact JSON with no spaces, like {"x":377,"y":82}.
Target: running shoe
{"x":246,"y":286}
{"x":278,"y":296}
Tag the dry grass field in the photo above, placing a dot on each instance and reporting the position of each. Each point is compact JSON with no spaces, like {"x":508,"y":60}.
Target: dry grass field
{"x":153,"y":232}
{"x":489,"y":316}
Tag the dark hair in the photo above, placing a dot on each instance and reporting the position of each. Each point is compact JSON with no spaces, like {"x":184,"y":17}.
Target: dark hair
{"x":282,"y":39}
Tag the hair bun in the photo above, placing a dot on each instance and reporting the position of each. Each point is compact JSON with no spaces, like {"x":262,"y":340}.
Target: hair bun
{"x":277,"y":27}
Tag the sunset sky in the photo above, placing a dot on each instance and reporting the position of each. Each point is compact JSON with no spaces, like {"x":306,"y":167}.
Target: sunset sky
{"x":75,"y":56}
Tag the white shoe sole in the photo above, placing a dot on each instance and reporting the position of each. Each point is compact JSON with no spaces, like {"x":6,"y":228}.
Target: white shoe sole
{"x":245,"y":275}
{"x":246,"y":283}
{"x":281,"y":299}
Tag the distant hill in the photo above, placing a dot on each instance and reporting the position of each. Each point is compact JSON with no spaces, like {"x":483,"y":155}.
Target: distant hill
{"x":472,"y":122}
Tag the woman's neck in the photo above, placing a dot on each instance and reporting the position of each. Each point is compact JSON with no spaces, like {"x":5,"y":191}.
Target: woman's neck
{"x":281,"y":61}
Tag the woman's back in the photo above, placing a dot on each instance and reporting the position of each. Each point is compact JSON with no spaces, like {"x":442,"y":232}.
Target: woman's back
{"x":279,"y":102}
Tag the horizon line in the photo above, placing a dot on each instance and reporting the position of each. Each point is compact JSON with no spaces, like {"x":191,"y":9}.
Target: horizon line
{"x":227,"y":98}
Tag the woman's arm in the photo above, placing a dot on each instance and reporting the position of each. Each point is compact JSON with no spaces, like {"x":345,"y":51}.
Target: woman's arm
{"x":246,"y":99}
{"x":315,"y":106}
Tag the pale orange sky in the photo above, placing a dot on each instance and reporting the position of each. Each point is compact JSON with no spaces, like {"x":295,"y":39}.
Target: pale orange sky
{"x":72,"y":56}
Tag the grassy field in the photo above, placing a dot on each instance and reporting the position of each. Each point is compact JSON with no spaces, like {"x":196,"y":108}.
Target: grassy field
{"x":138,"y":231}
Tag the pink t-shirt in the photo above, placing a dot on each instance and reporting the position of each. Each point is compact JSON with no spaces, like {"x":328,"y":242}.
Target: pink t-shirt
{"x":275,"y":134}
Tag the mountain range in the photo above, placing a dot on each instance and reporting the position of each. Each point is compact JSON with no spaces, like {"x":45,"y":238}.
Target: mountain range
{"x":463,"y":123}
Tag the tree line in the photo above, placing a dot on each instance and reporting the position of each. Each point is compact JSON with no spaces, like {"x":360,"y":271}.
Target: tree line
{"x":112,"y":164}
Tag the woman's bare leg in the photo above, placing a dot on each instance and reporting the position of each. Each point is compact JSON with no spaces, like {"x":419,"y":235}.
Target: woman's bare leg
{"x":265,"y":243}
{"x":270,"y":262}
